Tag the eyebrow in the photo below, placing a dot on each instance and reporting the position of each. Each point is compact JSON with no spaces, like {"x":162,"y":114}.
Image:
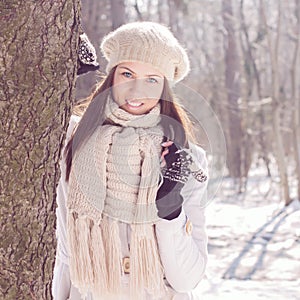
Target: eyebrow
{"x":149,"y":75}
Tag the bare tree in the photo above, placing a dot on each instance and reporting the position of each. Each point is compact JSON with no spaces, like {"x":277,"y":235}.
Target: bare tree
{"x":232,"y":84}
{"x":38,"y":63}
{"x":162,"y":11}
{"x":295,"y":95}
{"x":117,"y":13}
{"x":273,"y":48}
{"x":176,"y":9}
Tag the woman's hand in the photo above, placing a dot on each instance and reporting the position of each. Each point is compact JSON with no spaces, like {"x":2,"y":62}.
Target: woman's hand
{"x":187,"y":163}
{"x":164,"y":153}
{"x":174,"y":163}
{"x":87,"y":57}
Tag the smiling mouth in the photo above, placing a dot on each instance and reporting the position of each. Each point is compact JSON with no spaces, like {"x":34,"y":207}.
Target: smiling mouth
{"x":134,"y":103}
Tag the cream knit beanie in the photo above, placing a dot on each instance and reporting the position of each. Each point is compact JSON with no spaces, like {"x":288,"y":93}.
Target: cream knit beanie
{"x":147,"y":42}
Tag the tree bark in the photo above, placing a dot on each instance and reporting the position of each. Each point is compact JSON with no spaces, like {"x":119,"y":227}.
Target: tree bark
{"x":117,"y":13}
{"x":295,"y":97}
{"x":38,"y":63}
{"x":233,"y":92}
{"x":279,"y":147}
{"x":162,"y":11}
{"x":175,"y":8}
{"x":262,"y":138}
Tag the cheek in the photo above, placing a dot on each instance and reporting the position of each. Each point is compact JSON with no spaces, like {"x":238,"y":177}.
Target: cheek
{"x":154,"y":92}
{"x":119,"y":89}
{"x":117,"y":83}
{"x":117,"y":94}
{"x":151,"y":103}
{"x":115,"y":90}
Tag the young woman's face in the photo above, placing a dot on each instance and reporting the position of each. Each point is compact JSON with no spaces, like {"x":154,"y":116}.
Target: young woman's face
{"x":137,"y":87}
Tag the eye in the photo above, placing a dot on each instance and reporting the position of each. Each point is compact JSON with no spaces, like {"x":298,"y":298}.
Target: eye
{"x":127,"y":74}
{"x":152,"y":80}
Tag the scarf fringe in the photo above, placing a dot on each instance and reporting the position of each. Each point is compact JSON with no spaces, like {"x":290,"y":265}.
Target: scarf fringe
{"x":98,"y":258}
{"x":87,"y":263}
{"x":148,"y":274}
{"x":112,"y":245}
{"x":73,"y":245}
{"x":98,"y":269}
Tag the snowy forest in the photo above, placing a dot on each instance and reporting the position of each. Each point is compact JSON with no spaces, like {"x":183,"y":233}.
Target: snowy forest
{"x":245,"y":61}
{"x":244,"y":57}
{"x":244,"y":90}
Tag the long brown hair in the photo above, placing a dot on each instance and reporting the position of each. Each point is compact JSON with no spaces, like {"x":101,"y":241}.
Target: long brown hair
{"x":175,"y":121}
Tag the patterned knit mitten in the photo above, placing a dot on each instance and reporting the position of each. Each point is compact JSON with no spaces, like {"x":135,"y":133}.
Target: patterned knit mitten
{"x":175,"y":175}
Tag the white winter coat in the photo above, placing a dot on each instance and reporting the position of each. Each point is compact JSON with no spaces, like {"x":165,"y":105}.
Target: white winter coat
{"x":182,"y":246}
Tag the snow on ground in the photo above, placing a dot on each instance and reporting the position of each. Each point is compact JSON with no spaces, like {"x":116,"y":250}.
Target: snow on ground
{"x":249,"y":290}
{"x":254,"y":244}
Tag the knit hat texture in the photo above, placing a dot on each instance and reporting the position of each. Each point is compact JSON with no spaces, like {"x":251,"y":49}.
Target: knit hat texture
{"x":147,"y":42}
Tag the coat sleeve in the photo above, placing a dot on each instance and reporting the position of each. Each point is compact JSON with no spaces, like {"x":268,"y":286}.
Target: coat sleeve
{"x":184,"y":252}
{"x":61,"y":285}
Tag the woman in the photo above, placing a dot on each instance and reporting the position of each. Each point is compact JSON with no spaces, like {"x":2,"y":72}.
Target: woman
{"x":132,"y":180}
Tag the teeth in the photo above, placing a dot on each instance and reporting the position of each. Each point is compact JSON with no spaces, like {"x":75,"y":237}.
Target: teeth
{"x":136,"y":104}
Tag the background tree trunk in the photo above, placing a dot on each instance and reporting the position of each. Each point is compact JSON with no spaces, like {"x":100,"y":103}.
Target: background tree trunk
{"x":232,"y":85}
{"x":295,"y":97}
{"x":96,"y":22}
{"x":276,"y":119}
{"x":117,"y":13}
{"x":38,"y":63}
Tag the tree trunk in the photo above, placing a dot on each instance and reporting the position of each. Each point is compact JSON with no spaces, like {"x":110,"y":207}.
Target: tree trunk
{"x":296,"y":98}
{"x":162,"y":11}
{"x":174,"y":15}
{"x":279,"y":148}
{"x":117,"y":13}
{"x":233,"y":92}
{"x":38,"y":62}
{"x":96,"y":22}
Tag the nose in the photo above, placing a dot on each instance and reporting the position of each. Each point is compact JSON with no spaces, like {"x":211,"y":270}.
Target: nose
{"x":137,"y":88}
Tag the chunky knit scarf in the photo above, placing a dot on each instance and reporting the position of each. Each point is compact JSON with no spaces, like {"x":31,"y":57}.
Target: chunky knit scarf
{"x":114,"y":178}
